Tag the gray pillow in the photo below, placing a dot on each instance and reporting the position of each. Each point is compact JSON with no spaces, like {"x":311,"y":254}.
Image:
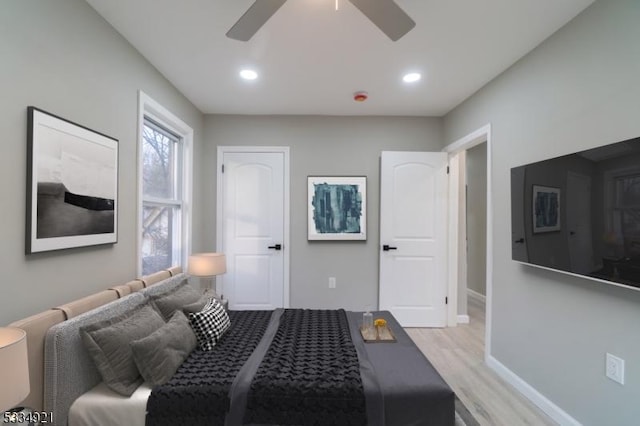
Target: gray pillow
{"x":198,"y":305}
{"x":159,"y":355}
{"x":108,"y":344}
{"x":168,"y":302}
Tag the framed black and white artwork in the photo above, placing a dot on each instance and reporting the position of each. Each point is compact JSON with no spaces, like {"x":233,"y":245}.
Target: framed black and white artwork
{"x":72,"y":184}
{"x":337,"y":208}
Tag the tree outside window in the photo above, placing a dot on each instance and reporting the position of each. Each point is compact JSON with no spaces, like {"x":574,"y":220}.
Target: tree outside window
{"x":162,"y":204}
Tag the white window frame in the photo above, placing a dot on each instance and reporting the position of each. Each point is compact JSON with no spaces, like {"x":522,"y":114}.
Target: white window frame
{"x":147,"y":107}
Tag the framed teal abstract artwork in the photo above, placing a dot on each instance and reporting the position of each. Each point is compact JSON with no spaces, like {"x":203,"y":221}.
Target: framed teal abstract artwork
{"x":546,"y":209}
{"x":337,"y":208}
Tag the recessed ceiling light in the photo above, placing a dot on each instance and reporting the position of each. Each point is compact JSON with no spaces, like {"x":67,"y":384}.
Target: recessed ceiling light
{"x":248,"y":74}
{"x":412,"y":77}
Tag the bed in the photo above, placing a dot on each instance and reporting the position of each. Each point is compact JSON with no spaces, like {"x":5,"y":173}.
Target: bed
{"x":288,"y":366}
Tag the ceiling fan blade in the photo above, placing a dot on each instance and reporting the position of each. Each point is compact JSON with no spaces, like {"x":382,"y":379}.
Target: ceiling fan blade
{"x":387,"y":15}
{"x":254,"y":18}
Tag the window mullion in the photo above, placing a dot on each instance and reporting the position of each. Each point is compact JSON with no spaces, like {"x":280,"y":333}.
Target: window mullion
{"x":161,"y":201}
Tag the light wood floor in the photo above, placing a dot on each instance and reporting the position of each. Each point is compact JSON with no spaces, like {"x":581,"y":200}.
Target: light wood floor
{"x":458,"y":355}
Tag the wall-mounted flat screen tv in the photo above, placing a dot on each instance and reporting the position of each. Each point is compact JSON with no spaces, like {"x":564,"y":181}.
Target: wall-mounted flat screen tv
{"x":580,"y":213}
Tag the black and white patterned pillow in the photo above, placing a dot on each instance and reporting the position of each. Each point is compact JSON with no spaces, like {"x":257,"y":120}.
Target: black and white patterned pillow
{"x":210,"y":324}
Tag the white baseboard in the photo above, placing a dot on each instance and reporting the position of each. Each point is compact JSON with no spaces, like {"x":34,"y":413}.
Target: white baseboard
{"x":551,"y":409}
{"x":475,"y":295}
{"x":463,"y":319}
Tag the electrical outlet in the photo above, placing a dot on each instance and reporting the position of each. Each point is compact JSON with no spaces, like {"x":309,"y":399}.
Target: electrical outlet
{"x":614,"y":368}
{"x":332,"y":282}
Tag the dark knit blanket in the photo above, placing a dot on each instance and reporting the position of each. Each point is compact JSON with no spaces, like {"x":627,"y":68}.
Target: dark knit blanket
{"x":198,"y":394}
{"x":303,"y":371}
{"x":310,"y":375}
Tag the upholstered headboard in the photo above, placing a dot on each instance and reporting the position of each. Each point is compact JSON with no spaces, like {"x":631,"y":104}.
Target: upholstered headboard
{"x":69,"y":370}
{"x":36,"y":327}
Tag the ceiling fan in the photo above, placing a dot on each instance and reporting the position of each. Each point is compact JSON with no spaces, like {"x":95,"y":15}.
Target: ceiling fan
{"x":385,"y":14}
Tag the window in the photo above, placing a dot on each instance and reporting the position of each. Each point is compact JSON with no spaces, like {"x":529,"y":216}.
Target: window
{"x":164,"y":218}
{"x":626,"y":220}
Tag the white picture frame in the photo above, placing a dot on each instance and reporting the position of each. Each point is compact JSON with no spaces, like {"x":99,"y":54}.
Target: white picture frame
{"x":546,"y":209}
{"x":337,"y":208}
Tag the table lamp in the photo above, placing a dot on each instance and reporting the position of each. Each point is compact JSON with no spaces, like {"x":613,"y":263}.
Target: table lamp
{"x":207,"y":266}
{"x":14,"y":367}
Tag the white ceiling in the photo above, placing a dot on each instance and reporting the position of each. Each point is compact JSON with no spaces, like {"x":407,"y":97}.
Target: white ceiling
{"x":311,"y":59}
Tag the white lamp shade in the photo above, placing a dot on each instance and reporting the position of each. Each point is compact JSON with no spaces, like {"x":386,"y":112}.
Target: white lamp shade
{"x":207,"y":264}
{"x":14,"y":367}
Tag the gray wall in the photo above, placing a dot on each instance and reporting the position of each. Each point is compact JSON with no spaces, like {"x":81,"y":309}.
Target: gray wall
{"x":324,"y":146}
{"x":61,"y":56}
{"x":477,"y":218}
{"x":577,"y":90}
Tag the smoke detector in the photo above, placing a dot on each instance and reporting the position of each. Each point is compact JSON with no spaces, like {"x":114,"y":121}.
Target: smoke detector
{"x":360,"y":96}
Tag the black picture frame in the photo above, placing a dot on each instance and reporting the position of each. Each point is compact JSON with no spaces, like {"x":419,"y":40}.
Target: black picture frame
{"x":72,"y":184}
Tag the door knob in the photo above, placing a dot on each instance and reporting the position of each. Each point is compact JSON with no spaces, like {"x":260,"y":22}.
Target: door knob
{"x":276,"y":247}
{"x":521,"y":240}
{"x":386,"y":247}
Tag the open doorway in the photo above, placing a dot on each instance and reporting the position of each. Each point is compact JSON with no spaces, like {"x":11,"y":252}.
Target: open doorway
{"x":470,"y":231}
{"x":473,"y":292}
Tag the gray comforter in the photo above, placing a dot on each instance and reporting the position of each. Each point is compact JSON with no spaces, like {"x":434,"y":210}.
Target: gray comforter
{"x":332,"y":378}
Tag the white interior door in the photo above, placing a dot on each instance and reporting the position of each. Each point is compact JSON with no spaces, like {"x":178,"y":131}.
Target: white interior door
{"x":413,"y":223}
{"x":253,"y":228}
{"x":578,"y":204}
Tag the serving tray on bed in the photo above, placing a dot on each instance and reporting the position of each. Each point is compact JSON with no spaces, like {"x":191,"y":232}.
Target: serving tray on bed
{"x":381,"y":334}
